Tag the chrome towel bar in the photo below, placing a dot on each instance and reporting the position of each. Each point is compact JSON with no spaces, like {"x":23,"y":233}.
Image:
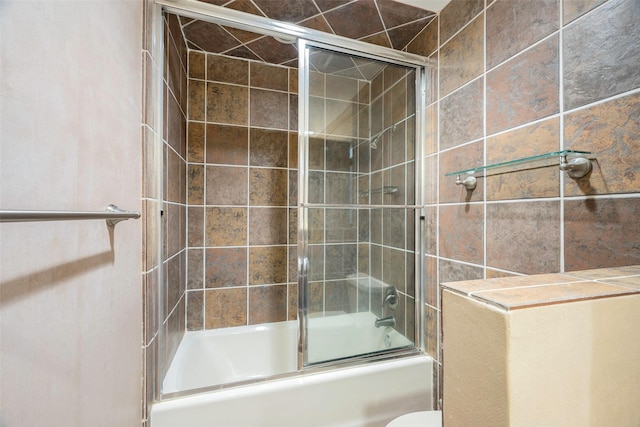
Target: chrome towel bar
{"x":112,"y":214}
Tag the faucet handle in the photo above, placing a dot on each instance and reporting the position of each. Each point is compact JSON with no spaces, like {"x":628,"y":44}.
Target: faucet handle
{"x":391,"y":297}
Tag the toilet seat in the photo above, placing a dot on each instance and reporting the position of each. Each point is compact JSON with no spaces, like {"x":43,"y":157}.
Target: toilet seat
{"x":418,"y":419}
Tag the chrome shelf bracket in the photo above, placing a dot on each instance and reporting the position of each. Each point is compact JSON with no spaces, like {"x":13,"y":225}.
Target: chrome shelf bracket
{"x":575,"y":168}
{"x":469,"y":182}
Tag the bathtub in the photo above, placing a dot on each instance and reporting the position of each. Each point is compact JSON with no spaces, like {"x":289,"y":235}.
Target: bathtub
{"x":365,"y":395}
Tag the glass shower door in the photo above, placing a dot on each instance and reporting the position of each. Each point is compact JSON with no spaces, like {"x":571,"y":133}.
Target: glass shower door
{"x":356,"y":205}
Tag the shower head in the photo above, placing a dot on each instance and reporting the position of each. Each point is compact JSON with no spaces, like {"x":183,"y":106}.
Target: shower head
{"x":374,"y":142}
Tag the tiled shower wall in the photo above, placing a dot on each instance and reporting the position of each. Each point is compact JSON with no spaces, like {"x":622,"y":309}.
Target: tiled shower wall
{"x":242,"y":179}
{"x":169,"y":218}
{"x":242,"y":192}
{"x":518,"y":79}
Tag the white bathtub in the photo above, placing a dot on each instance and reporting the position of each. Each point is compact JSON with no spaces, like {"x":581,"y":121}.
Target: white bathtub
{"x":365,"y":395}
{"x":222,"y":356}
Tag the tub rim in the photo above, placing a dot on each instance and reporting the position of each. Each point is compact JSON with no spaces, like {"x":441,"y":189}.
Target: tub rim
{"x":319,"y":368}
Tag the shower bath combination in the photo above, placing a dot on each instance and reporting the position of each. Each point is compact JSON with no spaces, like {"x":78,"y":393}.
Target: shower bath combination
{"x":332,"y":252}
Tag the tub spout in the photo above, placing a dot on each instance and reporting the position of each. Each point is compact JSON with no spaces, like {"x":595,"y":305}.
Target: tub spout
{"x":386,"y":321}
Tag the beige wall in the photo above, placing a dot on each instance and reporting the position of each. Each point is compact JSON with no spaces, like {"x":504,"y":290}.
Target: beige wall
{"x":572,"y":364}
{"x":70,"y":296}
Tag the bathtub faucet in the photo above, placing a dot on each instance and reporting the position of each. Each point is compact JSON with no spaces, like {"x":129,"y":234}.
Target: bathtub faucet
{"x":386,"y":321}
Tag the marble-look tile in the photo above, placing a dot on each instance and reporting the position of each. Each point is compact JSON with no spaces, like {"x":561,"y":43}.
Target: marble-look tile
{"x":506,"y":18}
{"x":525,"y":180}
{"x":227,"y":145}
{"x":195,"y":184}
{"x":431,"y":329}
{"x":343,"y":88}
{"x":363,"y":258}
{"x":292,"y":302}
{"x":226,"y":185}
{"x":293,"y":150}
{"x":197,"y":65}
{"x":524,"y":237}
{"x":267,"y":226}
{"x":268,"y":148}
{"x":575,"y":8}
{"x":394,"y":177}
{"x":462,"y":116}
{"x":490,"y":273}
{"x":341,"y":118}
{"x":197,"y":100}
{"x":601,"y":233}
{"x":393,"y":263}
{"x":269,"y":76}
{"x":316,"y":299}
{"x":606,"y":273}
{"x":267,"y":265}
{"x":469,"y":287}
{"x":227,"y":104}
{"x":339,"y":156}
{"x":431,"y":178}
{"x":340,"y":260}
{"x":195,"y":268}
{"x":225,"y":308}
{"x":462,"y":57}
{"x":267,"y":304}
{"x":268,"y":187}
{"x":611,"y":131}
{"x":293,"y":187}
{"x":339,"y":188}
{"x":516,"y":298}
{"x":355,"y":20}
{"x":456,"y":14}
{"x":195,"y":142}
{"x":341,"y":225}
{"x":225,"y":226}
{"x":461,"y":158}
{"x":431,"y":230}
{"x":461,"y":232}
{"x":601,"y":54}
{"x":227,"y":70}
{"x":431,"y":283}
{"x":340,"y":296}
{"x":176,"y":132}
{"x":451,"y":271}
{"x":209,"y":37}
{"x":630,"y":282}
{"x":195,"y":310}
{"x":393,"y":227}
{"x":524,"y":88}
{"x":269,"y":109}
{"x":426,"y":42}
{"x":195,"y":234}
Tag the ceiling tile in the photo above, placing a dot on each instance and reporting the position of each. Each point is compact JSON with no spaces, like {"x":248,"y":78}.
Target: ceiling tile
{"x":401,"y":36}
{"x":245,"y":6}
{"x":355,"y":20}
{"x":394,"y":13}
{"x":209,"y":37}
{"x":273,"y":51}
{"x":317,"y":23}
{"x":288,"y":11}
{"x":385,"y":23}
{"x":326,"y":5}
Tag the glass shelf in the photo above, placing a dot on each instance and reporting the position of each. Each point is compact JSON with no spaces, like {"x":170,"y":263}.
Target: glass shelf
{"x":568,"y":153}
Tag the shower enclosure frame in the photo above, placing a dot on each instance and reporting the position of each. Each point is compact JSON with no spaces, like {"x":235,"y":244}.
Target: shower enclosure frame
{"x":305,"y":37}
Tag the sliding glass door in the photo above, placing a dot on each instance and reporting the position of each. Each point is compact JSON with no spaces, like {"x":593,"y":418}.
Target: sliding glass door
{"x":357,"y":205}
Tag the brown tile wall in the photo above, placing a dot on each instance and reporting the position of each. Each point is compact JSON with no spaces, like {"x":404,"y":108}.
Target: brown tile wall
{"x":163,"y":211}
{"x":518,"y":79}
{"x":241,"y":162}
{"x":174,"y":220}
